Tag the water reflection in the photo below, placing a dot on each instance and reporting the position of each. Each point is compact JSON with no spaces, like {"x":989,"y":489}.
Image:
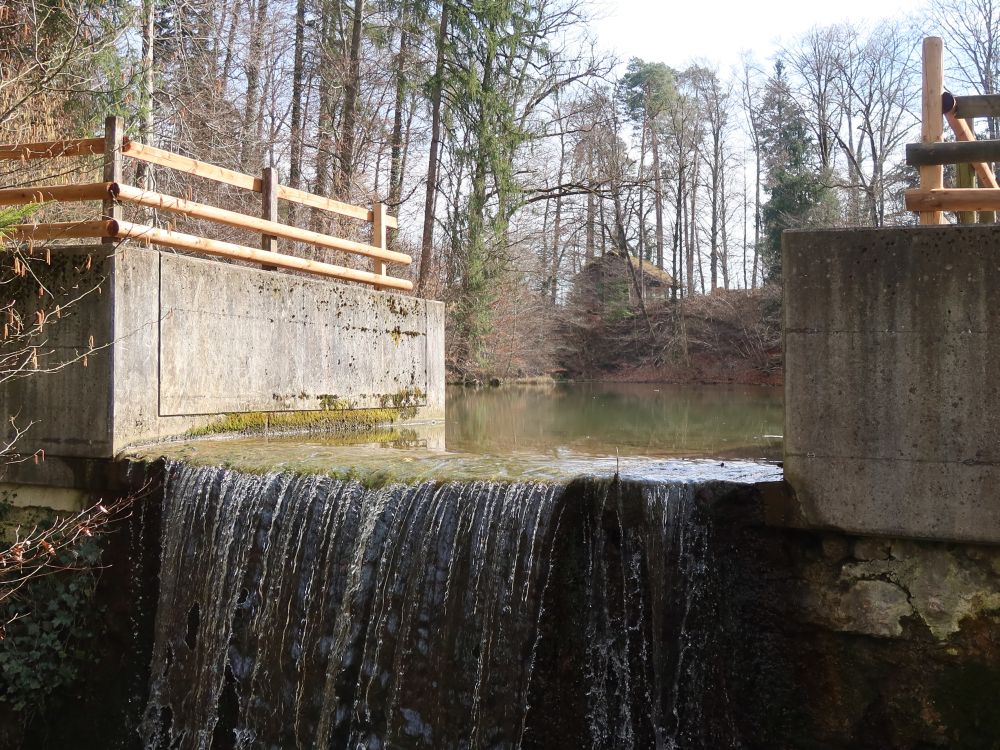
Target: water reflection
{"x":537,"y":434}
{"x":630,"y":419}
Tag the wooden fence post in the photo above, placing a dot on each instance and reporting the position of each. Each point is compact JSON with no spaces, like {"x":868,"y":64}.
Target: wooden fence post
{"x":114,"y":136}
{"x":269,"y":201}
{"x":379,"y":238}
{"x":932,"y":127}
{"x":965,"y":176}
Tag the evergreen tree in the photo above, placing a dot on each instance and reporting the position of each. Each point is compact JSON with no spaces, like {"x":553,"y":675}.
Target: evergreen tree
{"x":793,"y":176}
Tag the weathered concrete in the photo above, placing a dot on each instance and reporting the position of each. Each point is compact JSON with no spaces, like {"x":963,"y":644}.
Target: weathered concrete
{"x":179,"y":341}
{"x":892,"y":400}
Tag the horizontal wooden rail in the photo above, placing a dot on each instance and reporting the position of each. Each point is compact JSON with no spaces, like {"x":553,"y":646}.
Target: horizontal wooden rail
{"x":962,"y":152}
{"x":123,"y":230}
{"x":954,"y":199}
{"x":328,"y":204}
{"x":52,"y":149}
{"x":978,"y":105}
{"x":171,"y":204}
{"x":158,"y":156}
{"x":96,"y":191}
{"x":153,"y":155}
{"x":180,"y":241}
{"x":60,"y":231}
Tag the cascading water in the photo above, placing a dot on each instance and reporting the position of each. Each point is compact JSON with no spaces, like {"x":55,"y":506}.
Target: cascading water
{"x":302,"y":611}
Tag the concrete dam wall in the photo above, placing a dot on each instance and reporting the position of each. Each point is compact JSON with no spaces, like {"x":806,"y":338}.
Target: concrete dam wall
{"x":892,"y":404}
{"x":173,"y":342}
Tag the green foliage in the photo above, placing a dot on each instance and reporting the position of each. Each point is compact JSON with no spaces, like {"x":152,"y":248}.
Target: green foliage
{"x":647,"y":89}
{"x":797,"y":192}
{"x":52,"y":642}
{"x":14,"y":215}
{"x":613,"y":292}
{"x":485,"y":79}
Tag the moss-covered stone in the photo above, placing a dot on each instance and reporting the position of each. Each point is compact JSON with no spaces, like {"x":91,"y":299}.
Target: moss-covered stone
{"x":334,"y":417}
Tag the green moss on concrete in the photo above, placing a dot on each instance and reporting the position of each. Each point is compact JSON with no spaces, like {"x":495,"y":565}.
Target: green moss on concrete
{"x":408,"y":398}
{"x":337,"y":418}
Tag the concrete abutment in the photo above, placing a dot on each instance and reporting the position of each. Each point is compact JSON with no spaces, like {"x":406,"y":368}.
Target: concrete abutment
{"x":159,"y":344}
{"x":892,"y":401}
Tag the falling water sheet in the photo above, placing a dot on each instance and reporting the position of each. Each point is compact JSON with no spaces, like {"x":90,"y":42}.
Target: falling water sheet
{"x":303,"y":610}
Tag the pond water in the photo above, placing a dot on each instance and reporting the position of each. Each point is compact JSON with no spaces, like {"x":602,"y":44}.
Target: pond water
{"x":627,"y":419}
{"x":538,"y":433}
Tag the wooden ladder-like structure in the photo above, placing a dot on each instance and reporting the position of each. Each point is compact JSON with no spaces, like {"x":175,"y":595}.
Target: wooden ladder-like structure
{"x":972,"y":156}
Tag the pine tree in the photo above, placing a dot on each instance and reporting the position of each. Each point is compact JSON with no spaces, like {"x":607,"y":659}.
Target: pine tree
{"x":793,"y":175}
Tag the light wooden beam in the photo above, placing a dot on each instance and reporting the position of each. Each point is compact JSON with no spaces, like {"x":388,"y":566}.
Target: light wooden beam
{"x":180,"y":241}
{"x":52,"y":149}
{"x":954,"y":199}
{"x":171,"y":204}
{"x":96,"y":191}
{"x":328,"y":204}
{"x":964,"y":133}
{"x":153,"y":155}
{"x":61,"y":230}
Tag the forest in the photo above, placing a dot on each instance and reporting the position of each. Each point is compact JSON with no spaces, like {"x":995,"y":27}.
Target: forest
{"x":515,"y":151}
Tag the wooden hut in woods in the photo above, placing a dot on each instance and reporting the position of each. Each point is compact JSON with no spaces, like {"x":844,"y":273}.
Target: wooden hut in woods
{"x":607,"y":283}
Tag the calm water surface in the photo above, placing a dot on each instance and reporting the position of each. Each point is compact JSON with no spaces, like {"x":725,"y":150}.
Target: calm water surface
{"x":627,"y":419}
{"x":539,"y":433}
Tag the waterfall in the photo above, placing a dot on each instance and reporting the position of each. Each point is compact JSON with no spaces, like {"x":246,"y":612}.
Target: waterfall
{"x":302,"y":611}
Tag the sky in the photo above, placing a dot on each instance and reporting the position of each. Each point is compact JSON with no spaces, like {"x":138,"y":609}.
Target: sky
{"x":676,"y":32}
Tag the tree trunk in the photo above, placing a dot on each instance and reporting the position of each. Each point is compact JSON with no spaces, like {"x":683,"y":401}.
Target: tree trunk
{"x":255,"y":56}
{"x":396,"y":140}
{"x":588,"y":252}
{"x":427,"y":237}
{"x":714,"y":239}
{"x":143,"y":171}
{"x":724,"y":257}
{"x":756,"y":217}
{"x":328,"y":83}
{"x":692,"y":212}
{"x":658,"y":192}
{"x":298,"y":75}
{"x":681,"y":232}
{"x":352,"y":86}
{"x":557,"y":228}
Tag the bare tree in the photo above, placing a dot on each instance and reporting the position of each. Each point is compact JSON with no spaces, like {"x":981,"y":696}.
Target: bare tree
{"x":972,"y":37}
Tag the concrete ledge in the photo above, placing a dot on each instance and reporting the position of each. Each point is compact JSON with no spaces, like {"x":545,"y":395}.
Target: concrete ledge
{"x":180,"y":341}
{"x":892,"y":400}
{"x":53,"y":498}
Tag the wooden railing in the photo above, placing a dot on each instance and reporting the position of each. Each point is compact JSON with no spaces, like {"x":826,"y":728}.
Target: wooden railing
{"x":113,"y":193}
{"x":932,"y":199}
